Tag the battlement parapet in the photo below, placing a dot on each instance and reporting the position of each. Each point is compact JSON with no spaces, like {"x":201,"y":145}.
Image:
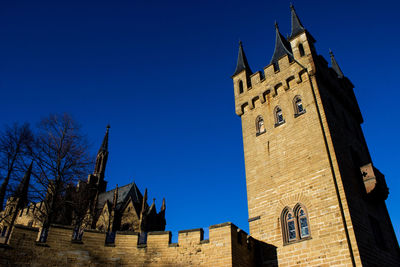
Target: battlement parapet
{"x":267,"y":87}
{"x":191,"y":248}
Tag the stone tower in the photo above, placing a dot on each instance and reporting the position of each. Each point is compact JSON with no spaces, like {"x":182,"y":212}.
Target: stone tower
{"x":312,"y":189}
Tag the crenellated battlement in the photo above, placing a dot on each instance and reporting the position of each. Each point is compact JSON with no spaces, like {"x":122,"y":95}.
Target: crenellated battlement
{"x":264,"y":89}
{"x":191,"y":248}
{"x":274,"y":78}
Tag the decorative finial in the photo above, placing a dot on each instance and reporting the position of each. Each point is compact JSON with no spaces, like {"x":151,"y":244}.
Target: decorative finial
{"x":291,"y":5}
{"x":240,"y":42}
{"x":108,"y":126}
{"x":276,"y":25}
{"x":330,"y":52}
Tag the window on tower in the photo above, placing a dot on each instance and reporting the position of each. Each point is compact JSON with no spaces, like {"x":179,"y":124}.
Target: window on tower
{"x":260,"y":127}
{"x":278,"y":116}
{"x":301,"y":50}
{"x":298,"y":106}
{"x":295,"y":225}
{"x":240,"y":86}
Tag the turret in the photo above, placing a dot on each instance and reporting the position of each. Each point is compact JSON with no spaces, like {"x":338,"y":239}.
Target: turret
{"x":241,"y":76}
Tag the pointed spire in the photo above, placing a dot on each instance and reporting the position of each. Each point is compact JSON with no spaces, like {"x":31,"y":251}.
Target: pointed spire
{"x":335,"y":65}
{"x":22,"y":191}
{"x":104,"y":145}
{"x":242,"y":63}
{"x":144,"y":200}
{"x":297,"y":27}
{"x":163,"y":207}
{"x":282,"y":46}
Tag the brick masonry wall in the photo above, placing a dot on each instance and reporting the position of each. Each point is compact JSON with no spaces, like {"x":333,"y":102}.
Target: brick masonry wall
{"x":222,"y":249}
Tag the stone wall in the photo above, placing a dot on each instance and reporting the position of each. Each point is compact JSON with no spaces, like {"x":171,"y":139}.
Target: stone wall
{"x":226,"y":246}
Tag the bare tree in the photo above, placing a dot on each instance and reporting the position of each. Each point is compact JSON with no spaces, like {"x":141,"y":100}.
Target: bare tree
{"x":15,"y":143}
{"x":60,"y":153}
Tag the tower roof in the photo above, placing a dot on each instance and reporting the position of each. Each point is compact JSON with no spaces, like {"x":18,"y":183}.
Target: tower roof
{"x":282,"y":46}
{"x":104,"y":145}
{"x":297,"y":27}
{"x":335,"y":65}
{"x":242,"y":63}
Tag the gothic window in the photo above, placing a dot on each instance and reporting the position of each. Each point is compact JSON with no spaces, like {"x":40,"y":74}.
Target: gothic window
{"x":260,"y":127}
{"x":291,"y":226}
{"x":298,"y":106}
{"x":279,"y":116}
{"x":295,"y":225}
{"x":240,"y":86}
{"x":303,"y":223}
{"x":301,"y":50}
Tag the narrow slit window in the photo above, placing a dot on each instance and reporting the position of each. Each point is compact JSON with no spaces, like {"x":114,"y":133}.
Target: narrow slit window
{"x":240,"y":86}
{"x":301,"y":50}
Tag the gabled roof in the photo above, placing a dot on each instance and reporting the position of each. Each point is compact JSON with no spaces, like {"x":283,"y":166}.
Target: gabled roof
{"x":282,"y":46}
{"x":242,"y":63}
{"x":124,"y":193}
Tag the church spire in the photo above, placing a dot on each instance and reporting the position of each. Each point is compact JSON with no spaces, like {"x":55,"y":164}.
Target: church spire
{"x":282,"y":47}
{"x":297,"y":27}
{"x":335,"y":65}
{"x":242,"y":63}
{"x":104,"y":145}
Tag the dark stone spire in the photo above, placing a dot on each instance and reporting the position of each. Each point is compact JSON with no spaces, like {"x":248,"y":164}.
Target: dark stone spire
{"x":282,"y":47}
{"x":104,"y":145}
{"x":297,"y":27}
{"x":22,"y":191}
{"x":335,"y":66}
{"x":242,"y":63}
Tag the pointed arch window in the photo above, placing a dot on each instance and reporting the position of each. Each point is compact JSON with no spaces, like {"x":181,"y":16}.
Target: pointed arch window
{"x":260,"y":127}
{"x":278,"y":116}
{"x":301,"y":50}
{"x":298,"y":106}
{"x":240,"y":87}
{"x":295,"y":224}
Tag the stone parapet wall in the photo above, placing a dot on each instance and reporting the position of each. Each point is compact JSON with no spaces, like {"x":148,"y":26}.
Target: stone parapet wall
{"x":224,"y":241}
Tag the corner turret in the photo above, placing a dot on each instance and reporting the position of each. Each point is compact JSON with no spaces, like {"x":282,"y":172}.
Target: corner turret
{"x":335,"y":65}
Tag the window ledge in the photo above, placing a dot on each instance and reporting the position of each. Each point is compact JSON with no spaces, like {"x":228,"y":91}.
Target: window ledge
{"x":280,"y":123}
{"x":297,"y":241}
{"x":300,"y":113}
{"x":257,"y":134}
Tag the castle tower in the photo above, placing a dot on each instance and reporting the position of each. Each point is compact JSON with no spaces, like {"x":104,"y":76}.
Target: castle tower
{"x":312,"y":189}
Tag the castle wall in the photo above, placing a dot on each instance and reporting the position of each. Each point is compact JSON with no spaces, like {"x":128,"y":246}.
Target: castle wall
{"x":222,"y":248}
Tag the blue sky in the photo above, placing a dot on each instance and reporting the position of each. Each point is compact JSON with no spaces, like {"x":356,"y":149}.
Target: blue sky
{"x":159,"y":73}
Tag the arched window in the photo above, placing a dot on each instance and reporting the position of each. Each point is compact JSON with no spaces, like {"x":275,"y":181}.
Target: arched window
{"x":260,"y":127}
{"x":298,"y":106}
{"x":301,"y":50}
{"x":295,"y":225}
{"x":278,"y":116}
{"x":303,"y":223}
{"x":240,"y":86}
